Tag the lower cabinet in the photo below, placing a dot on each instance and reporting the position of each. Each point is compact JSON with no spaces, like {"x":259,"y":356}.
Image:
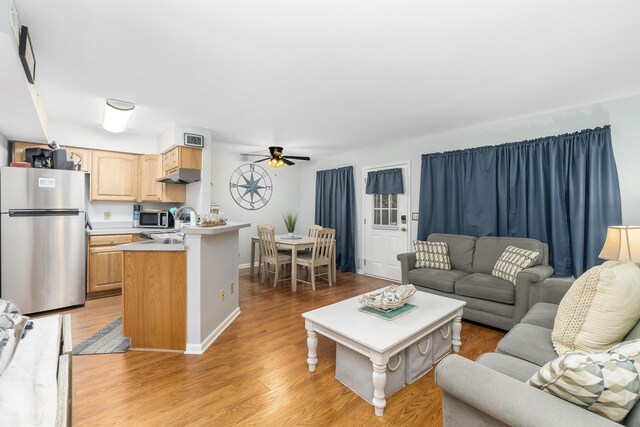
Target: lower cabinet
{"x":104,"y":275}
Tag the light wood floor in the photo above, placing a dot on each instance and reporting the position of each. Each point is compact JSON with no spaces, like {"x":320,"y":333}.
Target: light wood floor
{"x":254,"y":374}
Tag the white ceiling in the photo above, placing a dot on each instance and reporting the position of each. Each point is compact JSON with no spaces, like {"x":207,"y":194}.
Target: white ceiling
{"x":319,"y":75}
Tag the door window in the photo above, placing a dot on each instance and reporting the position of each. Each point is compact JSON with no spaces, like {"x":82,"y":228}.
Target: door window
{"x":385,"y":210}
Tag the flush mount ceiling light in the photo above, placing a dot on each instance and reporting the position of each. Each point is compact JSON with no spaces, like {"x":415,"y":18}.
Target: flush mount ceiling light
{"x":116,"y":115}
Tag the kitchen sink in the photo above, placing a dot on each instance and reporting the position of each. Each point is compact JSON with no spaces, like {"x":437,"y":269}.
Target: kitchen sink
{"x":172,"y":237}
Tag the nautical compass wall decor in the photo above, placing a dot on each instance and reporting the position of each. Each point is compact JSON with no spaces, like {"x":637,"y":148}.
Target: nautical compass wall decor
{"x":250,"y":186}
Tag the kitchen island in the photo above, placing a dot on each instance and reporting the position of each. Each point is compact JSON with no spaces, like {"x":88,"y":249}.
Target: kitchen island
{"x":181,"y":295}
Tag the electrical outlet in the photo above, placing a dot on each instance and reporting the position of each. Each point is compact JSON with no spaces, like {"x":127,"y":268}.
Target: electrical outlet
{"x":221,"y":294}
{"x":232,"y":288}
{"x":107,"y":216}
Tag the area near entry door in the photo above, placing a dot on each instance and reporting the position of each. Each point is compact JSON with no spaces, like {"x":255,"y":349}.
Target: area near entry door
{"x":386,"y":222}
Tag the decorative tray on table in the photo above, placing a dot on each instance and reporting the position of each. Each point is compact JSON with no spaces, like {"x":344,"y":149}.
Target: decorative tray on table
{"x":212,"y":223}
{"x":388,"y":299}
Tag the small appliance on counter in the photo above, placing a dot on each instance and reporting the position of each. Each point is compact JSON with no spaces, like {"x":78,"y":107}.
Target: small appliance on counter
{"x":155,"y":219}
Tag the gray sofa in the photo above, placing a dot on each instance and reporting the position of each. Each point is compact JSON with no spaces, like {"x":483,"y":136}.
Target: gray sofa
{"x":490,"y":300}
{"x":492,"y":392}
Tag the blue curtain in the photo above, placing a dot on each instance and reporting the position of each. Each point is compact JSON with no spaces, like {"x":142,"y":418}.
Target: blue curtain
{"x":336,"y":208}
{"x":562,"y":190}
{"x":386,"y":181}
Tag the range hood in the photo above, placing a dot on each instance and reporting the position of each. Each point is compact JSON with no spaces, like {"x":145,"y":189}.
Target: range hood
{"x":181,"y":176}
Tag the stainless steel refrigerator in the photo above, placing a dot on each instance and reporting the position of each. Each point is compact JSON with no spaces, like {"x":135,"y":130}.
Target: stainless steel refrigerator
{"x":42,"y":238}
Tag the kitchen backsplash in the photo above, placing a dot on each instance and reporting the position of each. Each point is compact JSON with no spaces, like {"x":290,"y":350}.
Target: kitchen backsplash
{"x":120,"y":211}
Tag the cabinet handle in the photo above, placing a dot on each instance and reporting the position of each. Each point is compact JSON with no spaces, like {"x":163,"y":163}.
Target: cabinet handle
{"x":93,"y":251}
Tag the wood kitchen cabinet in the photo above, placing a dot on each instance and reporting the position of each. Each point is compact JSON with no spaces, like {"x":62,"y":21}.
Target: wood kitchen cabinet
{"x":149,"y":190}
{"x":182,"y":157}
{"x":114,"y":176}
{"x":104,"y":275}
{"x":82,"y":155}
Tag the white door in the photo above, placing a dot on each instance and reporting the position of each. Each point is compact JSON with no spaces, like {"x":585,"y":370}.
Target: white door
{"x":386,"y":232}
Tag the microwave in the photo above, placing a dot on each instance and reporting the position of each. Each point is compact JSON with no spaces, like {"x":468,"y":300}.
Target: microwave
{"x":156,"y":219}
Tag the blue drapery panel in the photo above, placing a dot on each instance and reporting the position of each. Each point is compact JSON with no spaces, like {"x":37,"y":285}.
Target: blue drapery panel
{"x":336,"y":208}
{"x":386,"y":181}
{"x":562,"y":190}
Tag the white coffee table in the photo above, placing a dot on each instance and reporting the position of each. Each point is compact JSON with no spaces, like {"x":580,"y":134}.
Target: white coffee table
{"x":380,"y":339}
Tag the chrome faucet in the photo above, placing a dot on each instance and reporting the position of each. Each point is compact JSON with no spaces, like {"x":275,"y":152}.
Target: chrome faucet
{"x":193,"y":217}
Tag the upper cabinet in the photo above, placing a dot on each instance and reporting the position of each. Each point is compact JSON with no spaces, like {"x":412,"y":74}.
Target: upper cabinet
{"x":150,"y":168}
{"x":114,"y":176}
{"x":149,"y":190}
{"x":182,"y":157}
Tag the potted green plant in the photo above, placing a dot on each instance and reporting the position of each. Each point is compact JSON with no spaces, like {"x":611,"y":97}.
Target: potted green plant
{"x":290,"y":220}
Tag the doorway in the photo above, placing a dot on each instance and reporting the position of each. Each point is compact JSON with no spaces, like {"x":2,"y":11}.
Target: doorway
{"x":386,"y":226}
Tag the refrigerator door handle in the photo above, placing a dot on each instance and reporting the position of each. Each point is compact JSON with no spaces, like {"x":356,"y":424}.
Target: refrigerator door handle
{"x":22,"y":213}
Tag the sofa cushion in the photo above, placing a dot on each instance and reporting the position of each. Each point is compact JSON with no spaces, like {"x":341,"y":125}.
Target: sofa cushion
{"x":516,"y":368}
{"x":432,"y":255}
{"x":442,"y":280}
{"x":489,"y":249}
{"x":599,"y":309}
{"x":541,"y":314}
{"x":485,"y":286}
{"x":528,"y":342}
{"x":607,"y":384}
{"x":461,"y":249}
{"x":512,"y":261}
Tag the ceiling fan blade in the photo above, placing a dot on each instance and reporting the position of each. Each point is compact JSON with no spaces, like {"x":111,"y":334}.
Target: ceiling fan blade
{"x":262,"y":160}
{"x":298,"y":157}
{"x":255,"y":155}
{"x":289,"y":162}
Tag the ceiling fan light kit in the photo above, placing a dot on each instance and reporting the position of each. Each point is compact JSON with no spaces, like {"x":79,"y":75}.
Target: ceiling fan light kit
{"x":276,"y":159}
{"x":117,"y":115}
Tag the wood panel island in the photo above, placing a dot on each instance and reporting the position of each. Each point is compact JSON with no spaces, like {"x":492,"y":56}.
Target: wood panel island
{"x":181,"y":295}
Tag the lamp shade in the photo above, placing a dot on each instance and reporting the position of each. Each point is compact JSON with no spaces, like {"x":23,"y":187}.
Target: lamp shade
{"x":116,"y":115}
{"x":622,"y":244}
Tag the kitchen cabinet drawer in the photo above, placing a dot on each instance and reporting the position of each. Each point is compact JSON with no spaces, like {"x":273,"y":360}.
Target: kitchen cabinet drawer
{"x":114,"y":176}
{"x":104,"y":276}
{"x":110,"y":240}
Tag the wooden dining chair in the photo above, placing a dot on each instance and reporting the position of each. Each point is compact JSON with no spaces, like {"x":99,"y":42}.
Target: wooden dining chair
{"x":260,"y":247}
{"x":321,"y":255}
{"x":270,"y":256}
{"x":313,"y":230}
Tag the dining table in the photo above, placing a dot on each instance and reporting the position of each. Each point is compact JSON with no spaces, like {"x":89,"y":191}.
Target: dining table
{"x":293,"y":244}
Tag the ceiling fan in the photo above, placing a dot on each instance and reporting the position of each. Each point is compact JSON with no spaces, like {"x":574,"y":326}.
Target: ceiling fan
{"x":277,"y":159}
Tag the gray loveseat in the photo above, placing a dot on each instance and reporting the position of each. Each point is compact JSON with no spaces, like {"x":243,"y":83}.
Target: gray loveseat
{"x":492,"y":392}
{"x":490,"y":300}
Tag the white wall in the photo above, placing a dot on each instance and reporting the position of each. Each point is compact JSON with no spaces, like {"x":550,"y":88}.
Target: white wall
{"x":622,"y":114}
{"x":285,"y":197}
{"x":99,"y":139}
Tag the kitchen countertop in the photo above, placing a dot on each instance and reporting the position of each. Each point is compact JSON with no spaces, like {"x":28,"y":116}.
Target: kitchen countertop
{"x":168,"y":245}
{"x":118,"y":230}
{"x":204,"y":231}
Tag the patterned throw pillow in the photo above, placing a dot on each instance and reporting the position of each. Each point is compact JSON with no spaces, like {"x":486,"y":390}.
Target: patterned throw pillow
{"x":512,"y":261}
{"x":432,"y":255}
{"x":607,"y":384}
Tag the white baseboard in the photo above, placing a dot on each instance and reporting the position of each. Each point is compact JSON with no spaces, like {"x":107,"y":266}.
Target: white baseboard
{"x":246,"y":265}
{"x":204,"y":345}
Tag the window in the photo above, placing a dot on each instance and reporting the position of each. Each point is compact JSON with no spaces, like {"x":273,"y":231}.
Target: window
{"x":385,"y":210}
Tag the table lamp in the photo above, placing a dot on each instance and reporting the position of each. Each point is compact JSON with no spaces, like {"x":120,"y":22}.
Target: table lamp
{"x":622,"y":244}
